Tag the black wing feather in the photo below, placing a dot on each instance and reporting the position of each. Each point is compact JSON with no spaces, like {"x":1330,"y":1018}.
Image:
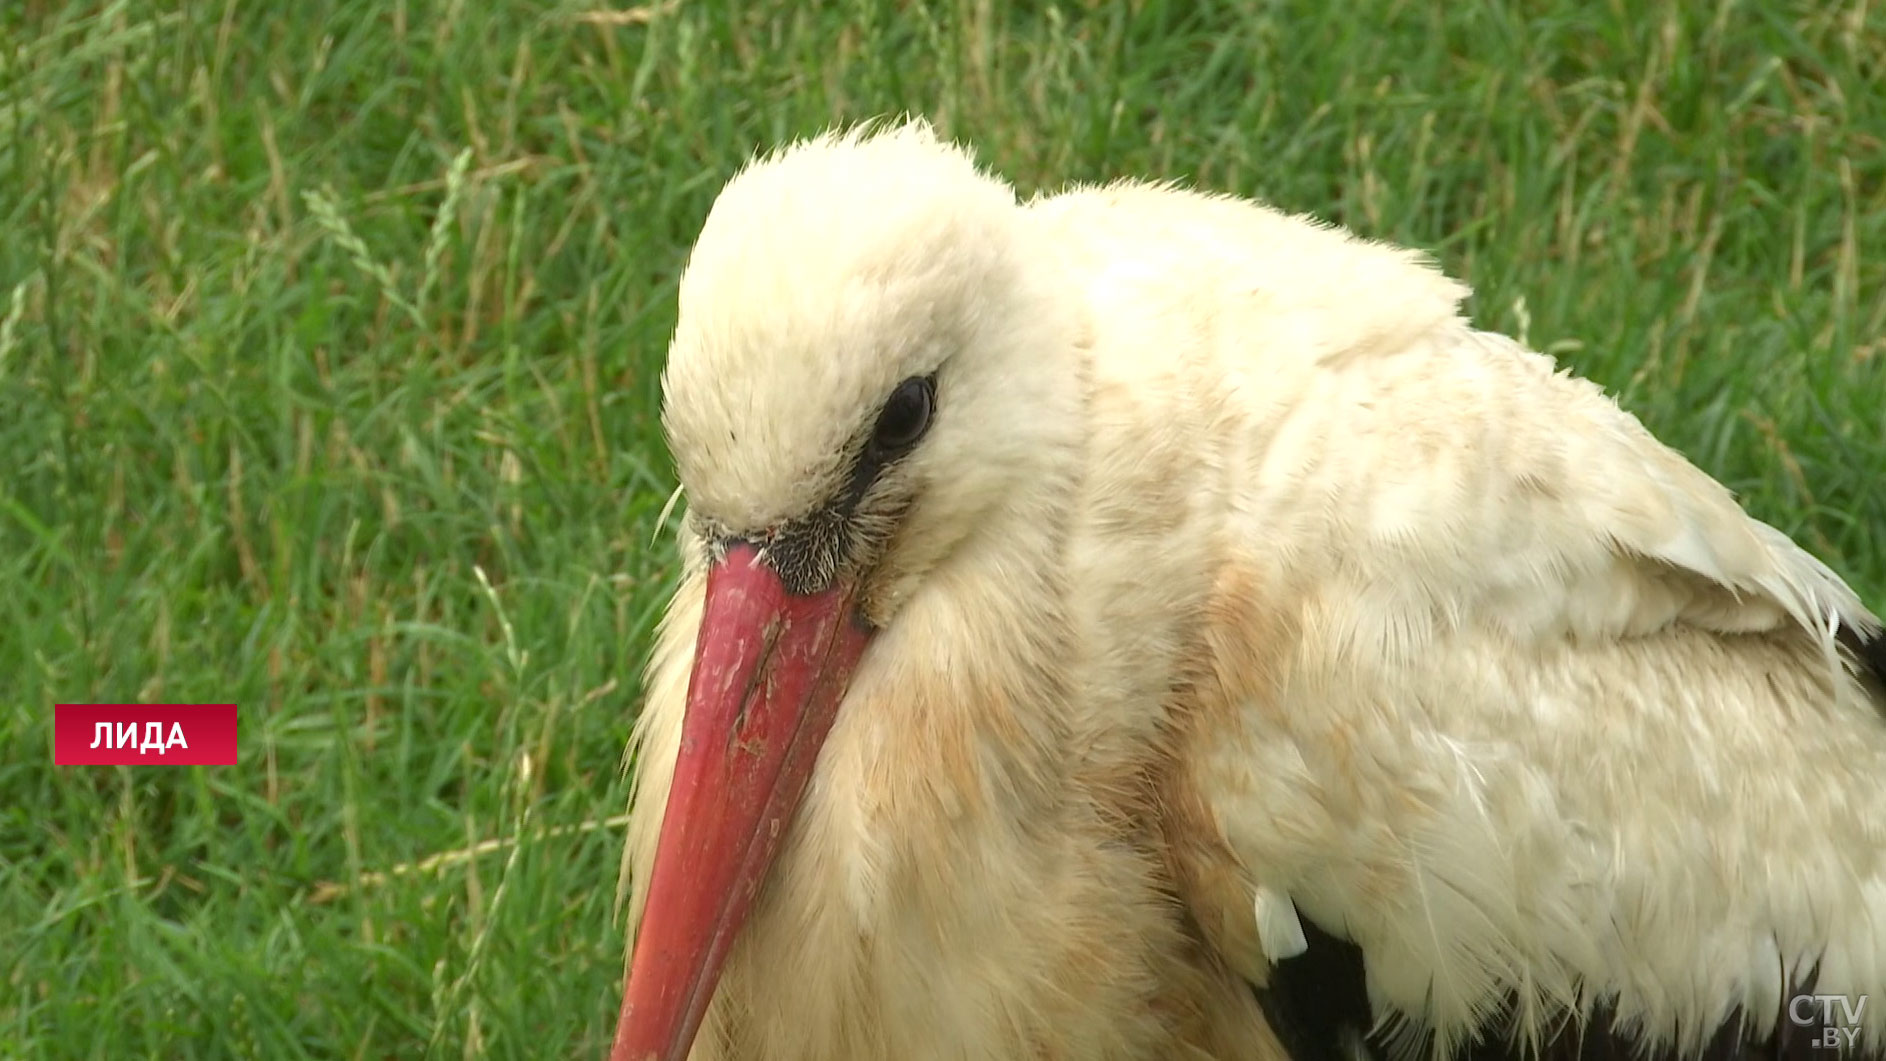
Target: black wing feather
{"x":1318,"y":1005}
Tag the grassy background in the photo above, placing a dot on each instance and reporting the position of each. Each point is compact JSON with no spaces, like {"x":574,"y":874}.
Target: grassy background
{"x":329,"y":337}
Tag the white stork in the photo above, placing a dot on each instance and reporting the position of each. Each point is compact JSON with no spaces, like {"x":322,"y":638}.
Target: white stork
{"x":1138,"y":624}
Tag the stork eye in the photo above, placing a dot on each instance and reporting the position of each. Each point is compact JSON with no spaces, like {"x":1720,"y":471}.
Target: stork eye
{"x":906,"y":416}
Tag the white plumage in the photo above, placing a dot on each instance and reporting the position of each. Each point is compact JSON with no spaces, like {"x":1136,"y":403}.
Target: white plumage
{"x":1234,"y":576}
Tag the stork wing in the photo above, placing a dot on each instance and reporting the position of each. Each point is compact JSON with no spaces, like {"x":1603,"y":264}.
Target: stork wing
{"x":1521,"y":705}
{"x":1505,"y":723}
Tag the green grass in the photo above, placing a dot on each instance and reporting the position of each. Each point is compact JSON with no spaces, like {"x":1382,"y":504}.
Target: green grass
{"x":329,"y":342}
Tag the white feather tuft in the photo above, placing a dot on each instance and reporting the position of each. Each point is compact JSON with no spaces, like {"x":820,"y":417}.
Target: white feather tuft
{"x":1279,"y":931}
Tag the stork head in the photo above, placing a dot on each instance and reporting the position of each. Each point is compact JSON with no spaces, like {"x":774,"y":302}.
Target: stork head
{"x":870,"y":368}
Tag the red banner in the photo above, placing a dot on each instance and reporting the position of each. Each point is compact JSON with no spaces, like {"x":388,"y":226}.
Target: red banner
{"x":144,"y":735}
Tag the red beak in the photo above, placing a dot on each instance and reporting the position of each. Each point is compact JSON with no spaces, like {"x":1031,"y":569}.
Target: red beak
{"x":769,"y":671}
